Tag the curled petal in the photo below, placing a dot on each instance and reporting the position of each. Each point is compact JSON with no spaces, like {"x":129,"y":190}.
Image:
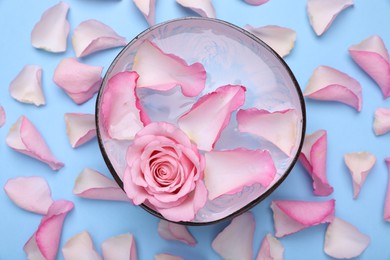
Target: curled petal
{"x":173,"y":231}
{"x":167,"y":257}
{"x":147,"y":8}
{"x":343,"y":240}
{"x":120,"y":247}
{"x":256,"y":2}
{"x":386,"y":214}
{"x":91,"y":36}
{"x":292,"y":216}
{"x":2,"y":116}
{"x":25,"y":138}
{"x":80,"y":128}
{"x":204,"y":8}
{"x":80,"y":247}
{"x":322,"y":13}
{"x":382,"y":121}
{"x":51,"y":32}
{"x":210,"y":115}
{"x":270,"y":249}
{"x":27,"y":87}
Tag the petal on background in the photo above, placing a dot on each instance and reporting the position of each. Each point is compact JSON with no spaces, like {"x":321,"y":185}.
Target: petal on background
{"x":204,"y":8}
{"x":91,"y":36}
{"x":3,"y":116}
{"x":372,"y":56}
{"x":173,"y":231}
{"x":256,"y":2}
{"x":120,"y":247}
{"x":386,"y":214}
{"x":381,"y":121}
{"x":80,"y":128}
{"x":343,"y":240}
{"x":51,"y":31}
{"x":278,"y":127}
{"x":291,"y":216}
{"x":91,"y":184}
{"x":270,"y":249}
{"x":161,"y":71}
{"x":25,"y":138}
{"x":313,"y":159}
{"x":322,"y":13}
{"x":329,"y":84}
{"x":281,"y":39}
{"x":27,"y":87}
{"x":359,"y":165}
{"x":80,"y":247}
{"x":80,"y":81}
{"x":147,"y":8}
{"x":207,"y":118}
{"x":164,"y":256}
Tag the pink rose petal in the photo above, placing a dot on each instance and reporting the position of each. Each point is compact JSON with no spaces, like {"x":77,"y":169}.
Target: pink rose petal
{"x":51,"y":32}
{"x":25,"y":138}
{"x":313,"y":159}
{"x":120,"y":247}
{"x":2,"y":116}
{"x":322,"y":13}
{"x":204,"y":8}
{"x":235,"y":241}
{"x":343,"y":240}
{"x":382,"y":121}
{"x":256,"y":2}
{"x":270,"y":249}
{"x":91,"y":184}
{"x":80,"y":128}
{"x":80,"y":247}
{"x":80,"y":81}
{"x":167,"y":257}
{"x":359,"y":165}
{"x":386,"y":214}
{"x":210,"y":115}
{"x":147,"y":8}
{"x":228,"y":172}
{"x":291,"y":216}
{"x":372,"y":56}
{"x":91,"y":36}
{"x":278,"y":127}
{"x":26,"y":87}
{"x":173,"y":231}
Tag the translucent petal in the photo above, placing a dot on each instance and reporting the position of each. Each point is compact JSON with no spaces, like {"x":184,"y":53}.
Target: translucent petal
{"x":204,"y":8}
{"x":382,"y":121}
{"x":386,"y":214}
{"x":167,"y":257}
{"x":80,"y":247}
{"x":147,"y":8}
{"x":2,"y":116}
{"x":120,"y":247}
{"x":173,"y":231}
{"x":80,"y":128}
{"x":256,"y":2}
{"x":270,"y":249}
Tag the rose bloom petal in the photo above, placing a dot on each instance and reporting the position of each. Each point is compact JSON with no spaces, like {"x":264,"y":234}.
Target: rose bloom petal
{"x":270,"y":249}
{"x":80,"y":247}
{"x":291,"y":216}
{"x":256,"y":2}
{"x":343,"y":240}
{"x":322,"y":13}
{"x":147,"y":8}
{"x":167,"y":257}
{"x":91,"y":36}
{"x":120,"y":247}
{"x":313,"y":159}
{"x":80,"y":128}
{"x":281,"y":39}
{"x":25,"y":138}
{"x":372,"y":56}
{"x":386,"y":214}
{"x":27,"y":87}
{"x":359,"y":165}
{"x":3,"y":116}
{"x":204,"y":8}
{"x":173,"y":231}
{"x":381,"y":121}
{"x":51,"y":32}
{"x":235,"y":241}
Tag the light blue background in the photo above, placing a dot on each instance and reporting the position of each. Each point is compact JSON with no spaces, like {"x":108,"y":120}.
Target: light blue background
{"x":348,"y":131}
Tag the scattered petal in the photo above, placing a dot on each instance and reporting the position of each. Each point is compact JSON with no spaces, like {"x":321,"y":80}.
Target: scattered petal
{"x":25,"y":138}
{"x":51,"y":32}
{"x":343,"y":240}
{"x":270,"y":249}
{"x":173,"y":231}
{"x":382,"y":121}
{"x":91,"y":36}
{"x":80,"y":247}
{"x":211,"y":114}
{"x":120,"y":247}
{"x":147,"y":8}
{"x":204,"y":8}
{"x":80,"y":128}
{"x":2,"y":116}
{"x":26,"y":87}
{"x":256,"y":2}
{"x":167,"y":257}
{"x":387,"y":200}
{"x":291,"y":216}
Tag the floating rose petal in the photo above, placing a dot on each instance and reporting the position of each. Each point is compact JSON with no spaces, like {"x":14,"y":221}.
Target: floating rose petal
{"x":256,"y":2}
{"x":91,"y":184}
{"x":278,"y":127}
{"x":313,"y":159}
{"x":120,"y":247}
{"x":291,"y":216}
{"x":372,"y":56}
{"x":235,"y":241}
{"x":80,"y":128}
{"x":343,"y":240}
{"x":173,"y":231}
{"x":204,"y":8}
{"x":359,"y":165}
{"x":387,"y":200}
{"x":80,"y":81}
{"x":322,"y":13}
{"x":270,"y":249}
{"x":91,"y":36}
{"x":26,"y":87}
{"x":51,"y":32}
{"x":147,"y":8}
{"x":2,"y":116}
{"x":167,"y":257}
{"x":80,"y":247}
{"x":210,"y":115}
{"x":25,"y":138}
{"x":382,"y":121}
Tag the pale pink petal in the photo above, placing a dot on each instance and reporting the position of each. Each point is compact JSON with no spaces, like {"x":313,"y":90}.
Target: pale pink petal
{"x":91,"y":36}
{"x":27,"y":87}
{"x":210,"y":115}
{"x":25,"y":138}
{"x":281,"y":39}
{"x":80,"y":81}
{"x":382,"y":121}
{"x":256,"y":2}
{"x":322,"y":13}
{"x":51,"y":32}
{"x":278,"y":127}
{"x":173,"y":231}
{"x":343,"y":240}
{"x":228,"y":172}
{"x":120,"y":247}
{"x":91,"y":184}
{"x":167,"y":257}
{"x":270,"y":249}
{"x":147,"y":8}
{"x":359,"y":165}
{"x":291,"y":216}
{"x":313,"y":159}
{"x":80,"y":247}
{"x":386,"y":214}
{"x":235,"y":241}
{"x":2,"y":116}
{"x":80,"y":128}
{"x":204,"y":8}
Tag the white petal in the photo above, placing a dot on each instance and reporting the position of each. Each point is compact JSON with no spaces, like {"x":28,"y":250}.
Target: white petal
{"x":167,"y":257}
{"x":382,"y":121}
{"x":120,"y":247}
{"x":270,"y":249}
{"x":80,"y":247}
{"x":147,"y":8}
{"x":2,"y":116}
{"x":204,"y":8}
{"x":80,"y":128}
{"x":173,"y":231}
{"x":256,"y":2}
